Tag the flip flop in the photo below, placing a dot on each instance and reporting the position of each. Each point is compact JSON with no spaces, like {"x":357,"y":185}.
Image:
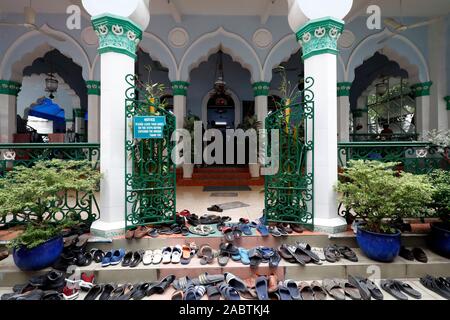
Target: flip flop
{"x":374,"y":290}
{"x":262,"y":229}
{"x":306,"y":291}
{"x":319,"y":293}
{"x":273,"y":230}
{"x":436,"y":285}
{"x":283,"y":292}
{"x":245,"y":228}
{"x":206,"y":279}
{"x":261,"y":288}
{"x":347,"y":253}
{"x":285,"y":254}
{"x":177,"y":295}
{"x":186,"y":254}
{"x":223,"y":258}
{"x":166,"y":255}
{"x":406,"y":288}
{"x":176,"y":254}
{"x":213,"y":293}
{"x":235,"y":282}
{"x":181,"y":283}
{"x":228,"y":293}
{"x":137,"y":258}
{"x":306,"y":248}
{"x":298,"y":254}
{"x":390,"y":287}
{"x":157,"y":256}
{"x":255,"y":258}
{"x":274,"y":260}
{"x":360,"y":283}
{"x":228,"y":234}
{"x":293,"y":289}
{"x":206,"y":254}
{"x":351,"y":291}
{"x":334,"y":289}
{"x":215,"y":208}
{"x":331,"y":254}
{"x":244,"y":256}
{"x":230,"y":248}
{"x":147,"y":258}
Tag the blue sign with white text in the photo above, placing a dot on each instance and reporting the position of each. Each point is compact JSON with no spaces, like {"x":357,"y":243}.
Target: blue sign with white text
{"x":149,"y":127}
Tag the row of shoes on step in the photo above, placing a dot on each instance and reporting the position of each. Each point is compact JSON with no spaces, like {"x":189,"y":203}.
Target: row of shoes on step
{"x":179,"y":227}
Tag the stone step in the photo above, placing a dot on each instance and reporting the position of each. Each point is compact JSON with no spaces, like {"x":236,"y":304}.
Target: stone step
{"x":399,"y":269}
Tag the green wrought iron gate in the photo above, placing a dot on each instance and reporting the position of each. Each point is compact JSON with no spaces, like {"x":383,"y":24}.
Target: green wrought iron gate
{"x":289,"y":191}
{"x":150,"y":174}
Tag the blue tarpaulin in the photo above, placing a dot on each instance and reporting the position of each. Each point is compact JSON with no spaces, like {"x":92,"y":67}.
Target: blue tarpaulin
{"x":48,"y":110}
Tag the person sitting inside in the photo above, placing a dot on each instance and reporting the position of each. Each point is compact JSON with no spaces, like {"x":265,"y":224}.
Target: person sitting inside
{"x":386,"y":133}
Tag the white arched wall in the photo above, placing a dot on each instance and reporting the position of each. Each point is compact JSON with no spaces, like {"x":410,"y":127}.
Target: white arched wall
{"x":230,"y":43}
{"x":399,"y":49}
{"x":33,"y":45}
{"x":160,"y":52}
{"x":237,"y":107}
{"x":280,"y":52}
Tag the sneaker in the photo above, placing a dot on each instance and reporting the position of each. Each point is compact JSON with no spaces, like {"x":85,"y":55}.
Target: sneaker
{"x":70,"y":293}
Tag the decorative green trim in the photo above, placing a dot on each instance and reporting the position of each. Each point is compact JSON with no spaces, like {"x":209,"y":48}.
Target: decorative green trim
{"x":93,"y":87}
{"x":78,"y":113}
{"x":179,"y":88}
{"x":117,"y":34}
{"x":320,"y":36}
{"x":261,"y":88}
{"x":421,"y":89}
{"x":10,"y":88}
{"x":343,"y":89}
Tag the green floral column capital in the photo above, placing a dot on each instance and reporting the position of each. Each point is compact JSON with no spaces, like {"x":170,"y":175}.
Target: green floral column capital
{"x":343,"y":89}
{"x":10,"y":88}
{"x":93,"y":87}
{"x":320,"y":36}
{"x":179,"y":88}
{"x":261,"y":88}
{"x":447,"y":99}
{"x":117,"y":34}
{"x":421,"y":89}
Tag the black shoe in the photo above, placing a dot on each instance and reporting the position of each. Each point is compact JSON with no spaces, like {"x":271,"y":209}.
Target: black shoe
{"x":127,"y":259}
{"x":107,"y":290}
{"x":55,"y":280}
{"x":94,"y":292}
{"x":406,"y":254}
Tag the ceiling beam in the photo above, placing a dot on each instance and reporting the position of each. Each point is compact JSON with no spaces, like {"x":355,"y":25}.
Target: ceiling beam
{"x":176,"y":15}
{"x":267,"y":11}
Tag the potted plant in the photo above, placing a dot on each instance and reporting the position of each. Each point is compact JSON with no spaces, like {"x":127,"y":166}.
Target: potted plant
{"x":439,"y":238}
{"x":377,"y":194}
{"x":249,"y":123}
{"x":189,"y":125}
{"x":33,"y":195}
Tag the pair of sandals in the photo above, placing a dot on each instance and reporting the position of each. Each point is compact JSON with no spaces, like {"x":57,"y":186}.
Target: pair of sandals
{"x":172,"y":254}
{"x":313,"y":291}
{"x":367,"y":288}
{"x":334,"y":253}
{"x":152,"y":257}
{"x":173,"y":229}
{"x":201,"y":230}
{"x":231,"y":233}
{"x":400,"y":290}
{"x":438,"y":285}
{"x":206,"y":254}
{"x":300,"y":253}
{"x":132,"y":259}
{"x":227,"y":251}
{"x":339,"y":289}
{"x":413,"y":254}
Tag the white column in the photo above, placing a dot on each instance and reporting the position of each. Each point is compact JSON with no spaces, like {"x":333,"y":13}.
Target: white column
{"x":421,"y":92}
{"x":8,"y":110}
{"x":179,"y":89}
{"x":319,"y":41}
{"x":118,"y":39}
{"x":437,"y":60}
{"x":93,"y":125}
{"x":343,"y":93}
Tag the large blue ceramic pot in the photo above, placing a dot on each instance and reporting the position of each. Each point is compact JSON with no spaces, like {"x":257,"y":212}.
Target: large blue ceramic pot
{"x":439,"y":239}
{"x":379,"y":246}
{"x":39,"y":257}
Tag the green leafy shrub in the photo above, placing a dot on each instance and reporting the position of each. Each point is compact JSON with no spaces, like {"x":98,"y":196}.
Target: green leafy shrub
{"x":378,"y":194}
{"x":33,"y":195}
{"x":440,"y":180}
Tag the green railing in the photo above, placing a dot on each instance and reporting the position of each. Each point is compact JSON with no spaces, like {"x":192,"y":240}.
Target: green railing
{"x":416,"y":157}
{"x":360,"y":137}
{"x":81,"y":205}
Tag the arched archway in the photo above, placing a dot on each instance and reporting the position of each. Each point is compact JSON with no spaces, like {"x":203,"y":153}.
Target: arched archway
{"x":230,"y":43}
{"x":33,"y":45}
{"x":237,"y":107}
{"x":399,"y":49}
